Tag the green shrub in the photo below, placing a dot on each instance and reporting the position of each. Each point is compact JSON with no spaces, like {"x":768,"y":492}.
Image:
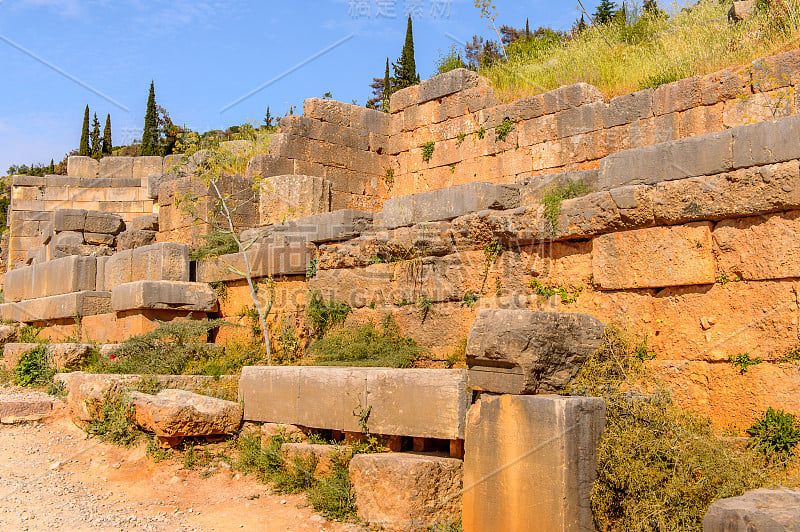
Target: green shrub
{"x":504,"y":129}
{"x":169,"y":349}
{"x":323,"y":315}
{"x":368,"y":346}
{"x":34,"y":368}
{"x":775,"y":434}
{"x":332,"y":495}
{"x":264,"y":462}
{"x":112,"y":419}
{"x":427,"y":151}
{"x":450,"y":60}
{"x":744,"y":362}
{"x":659,"y":466}
{"x":217,"y":243}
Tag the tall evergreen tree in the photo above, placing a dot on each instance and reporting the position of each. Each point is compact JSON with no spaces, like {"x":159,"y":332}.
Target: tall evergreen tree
{"x":83,"y":147}
{"x":52,"y":169}
{"x":581,"y":25}
{"x":605,"y":12}
{"x":150,"y":135}
{"x":405,"y":70}
{"x":387,"y":88}
{"x":269,"y":119}
{"x":94,"y":137}
{"x":527,"y":29}
{"x":107,"y":136}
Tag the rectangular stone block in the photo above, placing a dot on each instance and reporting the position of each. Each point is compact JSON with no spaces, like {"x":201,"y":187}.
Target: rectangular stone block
{"x":533,"y":189}
{"x":27,"y":181}
{"x":264,"y":261}
{"x":69,"y":220}
{"x":103,"y":222}
{"x":165,"y":261}
{"x":445,"y":84}
{"x":447,"y":203}
{"x":55,"y":277}
{"x":65,"y":306}
{"x":571,"y":96}
{"x":766,"y":142}
{"x":677,"y":96}
{"x":759,"y":247}
{"x":655,"y":257}
{"x":327,"y":227}
{"x":293,"y":196}
{"x":707,"y":154}
{"x":84,"y":167}
{"x":147,"y":165}
{"x":163,"y":295}
{"x":407,"y":402}
{"x":628,"y":108}
{"x":529,"y":463}
{"x":116,"y":167}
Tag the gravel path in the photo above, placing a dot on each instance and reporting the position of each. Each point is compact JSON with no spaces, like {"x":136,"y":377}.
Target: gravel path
{"x":53,"y":478}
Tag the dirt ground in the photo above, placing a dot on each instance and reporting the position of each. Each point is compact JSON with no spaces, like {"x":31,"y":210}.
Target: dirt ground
{"x":53,"y":478}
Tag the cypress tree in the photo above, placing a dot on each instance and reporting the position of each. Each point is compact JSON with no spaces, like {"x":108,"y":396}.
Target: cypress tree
{"x":405,"y":70}
{"x":83,"y":147}
{"x":387,"y":88}
{"x":94,"y":137}
{"x":52,"y":169}
{"x":527,"y":29}
{"x":150,"y":134}
{"x":107,"y":136}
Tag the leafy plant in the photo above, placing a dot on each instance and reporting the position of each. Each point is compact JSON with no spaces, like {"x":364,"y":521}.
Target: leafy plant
{"x":311,"y":270}
{"x":425,"y":307}
{"x":775,"y":434}
{"x":502,"y":131}
{"x":367,"y":345}
{"x":221,"y":289}
{"x":481,"y":132}
{"x":427,"y":151}
{"x":112,"y":419}
{"x":460,"y":139}
{"x":34,"y":368}
{"x":469,"y":299}
{"x":388,"y":177}
{"x":744,"y":362}
{"x":322,"y":315}
{"x":554,"y":196}
{"x":567,"y":296}
{"x":217,"y":243}
{"x":333,"y":495}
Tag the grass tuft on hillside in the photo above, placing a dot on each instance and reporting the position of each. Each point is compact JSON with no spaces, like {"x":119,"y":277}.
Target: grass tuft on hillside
{"x":648,"y":50}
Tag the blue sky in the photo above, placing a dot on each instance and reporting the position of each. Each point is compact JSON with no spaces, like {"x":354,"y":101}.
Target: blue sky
{"x":206,"y":54}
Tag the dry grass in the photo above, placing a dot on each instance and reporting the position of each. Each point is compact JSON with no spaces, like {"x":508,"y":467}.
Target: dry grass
{"x":623,"y":58}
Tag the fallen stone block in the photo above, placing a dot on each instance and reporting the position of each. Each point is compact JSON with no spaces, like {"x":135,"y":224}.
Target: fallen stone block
{"x":99,"y":239}
{"x":761,"y":510}
{"x":323,"y":454}
{"x":529,"y":352}
{"x":181,"y":414}
{"x":654,"y":257}
{"x":7,"y":333}
{"x":148,"y":222}
{"x":530,"y":462}
{"x":447,"y":203}
{"x":163,"y":295}
{"x":67,"y":240}
{"x":398,"y":491}
{"x":264,"y":261}
{"x":103,"y":222}
{"x":293,"y":196}
{"x":327,"y":227}
{"x":69,"y":220}
{"x":22,"y":406}
{"x":133,"y":239}
{"x":405,"y":402}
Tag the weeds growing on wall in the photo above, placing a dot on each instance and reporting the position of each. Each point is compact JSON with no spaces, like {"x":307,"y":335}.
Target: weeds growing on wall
{"x":502,"y":131}
{"x":427,"y":151}
{"x":366,"y":345}
{"x":217,"y":243}
{"x":554,"y":196}
{"x":775,"y":435}
{"x":322,"y":315}
{"x":645,"y":49}
{"x":567,"y":296}
{"x":659,"y":466}
{"x":744,"y":362}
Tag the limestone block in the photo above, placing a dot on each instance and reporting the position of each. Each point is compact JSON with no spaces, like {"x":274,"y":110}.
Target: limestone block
{"x":100,"y":283}
{"x":264,"y":165}
{"x":270,"y":430}
{"x":103,"y":222}
{"x":571,"y":96}
{"x":677,"y":96}
{"x":528,"y":352}
{"x":98,"y":239}
{"x":654,"y":257}
{"x":69,"y":220}
{"x":398,"y":491}
{"x":628,"y":108}
{"x":178,"y":413}
{"x":447,"y":203}
{"x":329,"y":111}
{"x":19,"y":406}
{"x":86,"y":303}
{"x":133,"y":239}
{"x":533,"y":189}
{"x":402,"y":99}
{"x":409,"y":402}
{"x":172,"y":162}
{"x":707,"y":154}
{"x":445,"y":84}
{"x":741,"y":10}
{"x":293,"y":196}
{"x":116,"y":167}
{"x":67,"y":240}
{"x":147,"y":165}
{"x":765,"y":142}
{"x":55,"y":277}
{"x":324,"y":454}
{"x":760,"y":247}
{"x":529,"y":463}
{"x":148,"y":222}
{"x":264,"y":261}
{"x":164,"y":295}
{"x":327,"y":227}
{"x":757,"y":510}
{"x":84,"y":167}
{"x":160,"y":262}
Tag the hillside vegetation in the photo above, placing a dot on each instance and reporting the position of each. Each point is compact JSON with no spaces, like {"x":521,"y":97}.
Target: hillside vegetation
{"x":646,"y":49}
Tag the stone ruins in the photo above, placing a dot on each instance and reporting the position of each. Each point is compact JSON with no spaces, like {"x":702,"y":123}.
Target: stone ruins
{"x":687,"y":232}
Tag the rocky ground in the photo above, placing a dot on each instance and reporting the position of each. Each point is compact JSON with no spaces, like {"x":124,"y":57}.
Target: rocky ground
{"x":53,"y":478}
